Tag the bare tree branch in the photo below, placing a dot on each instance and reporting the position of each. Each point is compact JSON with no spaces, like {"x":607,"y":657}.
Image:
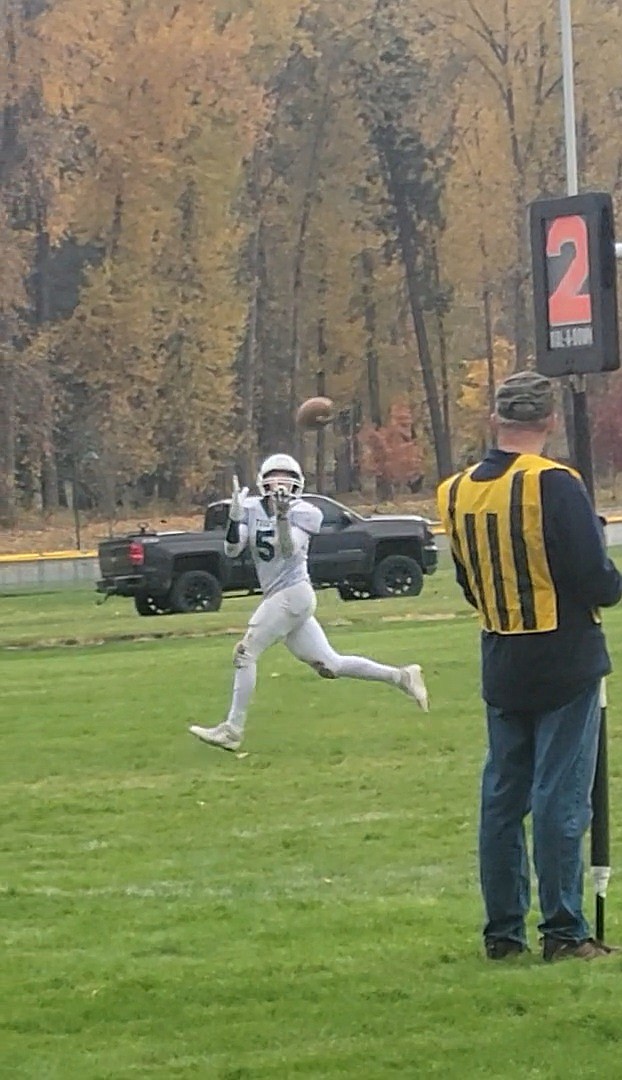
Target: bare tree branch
{"x":500,"y":51}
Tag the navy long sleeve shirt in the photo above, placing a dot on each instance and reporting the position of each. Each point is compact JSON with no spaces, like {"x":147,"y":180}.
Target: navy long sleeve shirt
{"x":528,"y":673}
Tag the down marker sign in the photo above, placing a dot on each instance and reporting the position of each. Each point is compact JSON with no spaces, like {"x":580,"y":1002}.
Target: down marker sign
{"x":574,"y":277}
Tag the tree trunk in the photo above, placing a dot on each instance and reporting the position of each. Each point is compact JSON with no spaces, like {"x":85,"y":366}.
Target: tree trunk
{"x":521,"y":335}
{"x":442,"y":349}
{"x":408,"y":247}
{"x":249,"y":427}
{"x":371,"y":353}
{"x":8,"y":509}
{"x":299,"y":261}
{"x":345,"y":450}
{"x":116,"y":225}
{"x":490,"y":355}
{"x":8,"y":368}
{"x":49,"y":469}
{"x":568,"y":410}
{"x":486,"y":286}
{"x":320,"y":447}
{"x":342,"y":471}
{"x":383,"y":486}
{"x":357,"y":422}
{"x":10,"y":111}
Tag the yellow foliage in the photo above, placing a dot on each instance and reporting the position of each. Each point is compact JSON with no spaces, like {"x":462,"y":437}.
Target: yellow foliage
{"x":474,"y":405}
{"x":169,"y":109}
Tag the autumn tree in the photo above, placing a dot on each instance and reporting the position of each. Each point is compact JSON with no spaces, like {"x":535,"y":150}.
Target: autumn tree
{"x":208,"y":211}
{"x":511,"y":54}
{"x":169,"y":111}
{"x":12,"y":297}
{"x":33,"y":145}
{"x":389,"y":85}
{"x":390,"y":452}
{"x":476,"y":400}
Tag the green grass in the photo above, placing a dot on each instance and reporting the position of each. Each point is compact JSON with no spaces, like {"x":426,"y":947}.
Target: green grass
{"x":75,"y":615}
{"x":310,"y":910}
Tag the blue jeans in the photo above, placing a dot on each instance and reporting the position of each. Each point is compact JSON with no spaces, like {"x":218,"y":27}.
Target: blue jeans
{"x":544,"y":764}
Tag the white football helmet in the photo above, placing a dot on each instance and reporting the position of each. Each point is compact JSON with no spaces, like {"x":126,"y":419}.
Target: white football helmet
{"x":280,"y":472}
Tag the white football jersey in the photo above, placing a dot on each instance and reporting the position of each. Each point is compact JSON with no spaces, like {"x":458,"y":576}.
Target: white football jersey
{"x":275,"y":572}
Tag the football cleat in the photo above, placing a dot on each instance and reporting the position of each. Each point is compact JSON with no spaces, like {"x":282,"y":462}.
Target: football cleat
{"x":222,"y":736}
{"x":411,"y":682}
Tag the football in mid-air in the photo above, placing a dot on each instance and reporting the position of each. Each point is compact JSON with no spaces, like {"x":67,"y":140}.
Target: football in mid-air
{"x":315,"y":413}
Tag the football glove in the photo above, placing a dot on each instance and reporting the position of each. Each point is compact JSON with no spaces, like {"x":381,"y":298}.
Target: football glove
{"x":281,"y":504}
{"x":236,"y":509}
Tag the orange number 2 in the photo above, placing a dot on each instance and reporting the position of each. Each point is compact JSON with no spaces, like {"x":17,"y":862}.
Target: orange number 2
{"x":567,"y":305}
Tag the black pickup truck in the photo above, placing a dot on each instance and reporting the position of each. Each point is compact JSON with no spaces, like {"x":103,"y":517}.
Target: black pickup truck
{"x":376,"y":556}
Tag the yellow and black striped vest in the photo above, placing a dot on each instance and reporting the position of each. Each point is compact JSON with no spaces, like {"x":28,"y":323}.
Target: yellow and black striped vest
{"x":495,"y":530}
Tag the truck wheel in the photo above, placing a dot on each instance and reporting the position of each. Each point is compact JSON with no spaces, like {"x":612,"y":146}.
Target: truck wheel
{"x":354,"y":589}
{"x":196,"y":590}
{"x":398,"y":575}
{"x":146,"y":604}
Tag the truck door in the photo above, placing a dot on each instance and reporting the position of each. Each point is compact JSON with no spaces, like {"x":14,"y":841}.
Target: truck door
{"x":341,"y":548}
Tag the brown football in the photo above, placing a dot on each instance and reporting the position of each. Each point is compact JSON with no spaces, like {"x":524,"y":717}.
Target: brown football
{"x":315,"y":413}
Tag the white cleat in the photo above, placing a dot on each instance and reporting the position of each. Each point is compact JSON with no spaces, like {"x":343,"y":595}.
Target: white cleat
{"x":222,"y":735}
{"x":411,"y":682}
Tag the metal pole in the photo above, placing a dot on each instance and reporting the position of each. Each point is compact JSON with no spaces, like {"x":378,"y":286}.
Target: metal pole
{"x":599,"y":840}
{"x":600,"y":858}
{"x":570,"y":126}
{"x":583,"y":438}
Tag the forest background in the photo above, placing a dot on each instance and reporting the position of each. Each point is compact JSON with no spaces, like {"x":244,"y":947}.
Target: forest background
{"x":210,"y":210}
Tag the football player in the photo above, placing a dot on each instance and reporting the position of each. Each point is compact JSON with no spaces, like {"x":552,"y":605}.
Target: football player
{"x":279,"y":525}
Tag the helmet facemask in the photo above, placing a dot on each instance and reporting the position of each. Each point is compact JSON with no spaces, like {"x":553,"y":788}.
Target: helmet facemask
{"x":280,"y":483}
{"x":280,"y":473}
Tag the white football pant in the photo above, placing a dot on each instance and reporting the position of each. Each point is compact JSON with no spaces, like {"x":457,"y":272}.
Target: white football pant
{"x":289,"y":616}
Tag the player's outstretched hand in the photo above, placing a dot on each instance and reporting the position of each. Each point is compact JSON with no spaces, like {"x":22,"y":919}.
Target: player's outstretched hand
{"x":238,"y":495}
{"x":281,"y":504}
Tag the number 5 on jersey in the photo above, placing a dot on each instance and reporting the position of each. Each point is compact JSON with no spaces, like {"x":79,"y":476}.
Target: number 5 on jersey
{"x":264,"y":543}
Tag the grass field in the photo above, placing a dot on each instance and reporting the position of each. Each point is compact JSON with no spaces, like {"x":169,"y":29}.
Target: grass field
{"x":310,"y":910}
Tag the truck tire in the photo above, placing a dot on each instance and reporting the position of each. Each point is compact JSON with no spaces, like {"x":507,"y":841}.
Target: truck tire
{"x":397,"y":575}
{"x":196,"y":591}
{"x":354,"y":589}
{"x":146,"y":604}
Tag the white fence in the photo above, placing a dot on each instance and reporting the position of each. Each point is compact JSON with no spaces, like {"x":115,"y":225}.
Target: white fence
{"x":52,"y":569}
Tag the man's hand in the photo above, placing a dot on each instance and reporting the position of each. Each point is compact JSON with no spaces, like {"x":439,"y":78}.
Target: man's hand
{"x":281,"y":504}
{"x":236,"y":510}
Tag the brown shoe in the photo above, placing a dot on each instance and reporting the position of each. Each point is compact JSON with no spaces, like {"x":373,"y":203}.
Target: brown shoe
{"x":503,"y":948}
{"x":590,"y":949}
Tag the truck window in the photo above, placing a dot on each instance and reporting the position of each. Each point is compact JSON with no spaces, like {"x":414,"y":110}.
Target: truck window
{"x":332,"y":513}
{"x":216,"y":516}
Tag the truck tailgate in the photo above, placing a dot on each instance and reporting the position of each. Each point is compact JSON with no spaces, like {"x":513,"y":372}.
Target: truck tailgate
{"x":114,"y":558}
